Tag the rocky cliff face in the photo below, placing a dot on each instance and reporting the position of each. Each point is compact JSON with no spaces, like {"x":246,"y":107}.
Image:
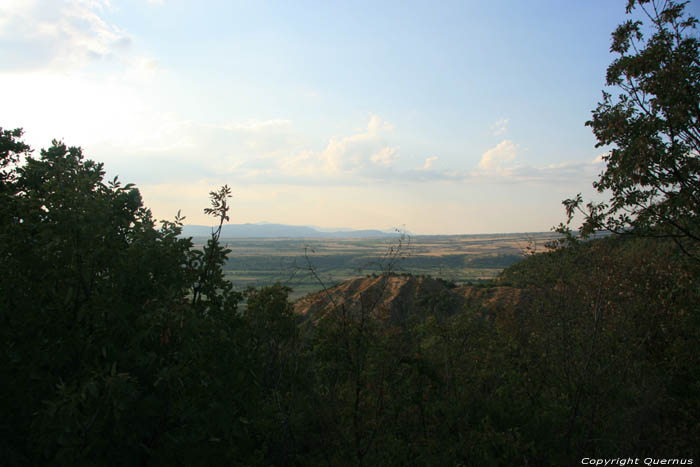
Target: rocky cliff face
{"x":399,"y":298}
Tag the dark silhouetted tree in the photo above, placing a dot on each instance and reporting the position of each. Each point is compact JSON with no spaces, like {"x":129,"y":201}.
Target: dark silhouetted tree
{"x":652,"y":125}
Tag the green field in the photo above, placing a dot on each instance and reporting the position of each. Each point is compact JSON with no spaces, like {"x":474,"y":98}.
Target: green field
{"x":459,"y":258}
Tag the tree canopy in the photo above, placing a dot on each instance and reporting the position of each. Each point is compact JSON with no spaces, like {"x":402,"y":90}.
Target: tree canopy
{"x":650,"y":123}
{"x":111,"y":327}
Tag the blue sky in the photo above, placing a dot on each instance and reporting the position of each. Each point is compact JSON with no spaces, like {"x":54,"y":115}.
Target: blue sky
{"x":440,"y":117}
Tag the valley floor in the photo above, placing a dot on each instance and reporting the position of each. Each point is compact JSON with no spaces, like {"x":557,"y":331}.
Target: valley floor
{"x":462,"y":259}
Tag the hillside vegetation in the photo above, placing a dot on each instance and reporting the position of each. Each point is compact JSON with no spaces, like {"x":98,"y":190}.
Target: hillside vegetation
{"x":123,"y":344}
{"x":588,"y":350}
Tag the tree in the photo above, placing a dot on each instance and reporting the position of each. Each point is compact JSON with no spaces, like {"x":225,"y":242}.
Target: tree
{"x":119,"y":342}
{"x":652,"y":124}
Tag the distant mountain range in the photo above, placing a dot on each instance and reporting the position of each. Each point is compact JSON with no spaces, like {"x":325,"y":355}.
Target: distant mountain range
{"x":280,"y":231}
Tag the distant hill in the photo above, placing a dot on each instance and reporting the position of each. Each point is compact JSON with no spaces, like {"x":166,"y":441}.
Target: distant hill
{"x":397,"y":298}
{"x":279,"y":231}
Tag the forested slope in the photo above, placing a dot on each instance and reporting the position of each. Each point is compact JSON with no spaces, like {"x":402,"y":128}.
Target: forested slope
{"x":591,"y":350}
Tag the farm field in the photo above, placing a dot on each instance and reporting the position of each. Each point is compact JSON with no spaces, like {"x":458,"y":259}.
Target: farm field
{"x":301,"y":263}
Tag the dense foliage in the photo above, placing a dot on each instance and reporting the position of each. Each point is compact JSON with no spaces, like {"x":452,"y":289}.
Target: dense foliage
{"x":652,"y":125}
{"x":119,"y":341}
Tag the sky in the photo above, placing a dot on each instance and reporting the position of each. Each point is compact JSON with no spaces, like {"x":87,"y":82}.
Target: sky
{"x":434,"y":117}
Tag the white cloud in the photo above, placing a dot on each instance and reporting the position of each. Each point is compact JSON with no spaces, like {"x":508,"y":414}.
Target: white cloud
{"x":500,"y":127}
{"x":84,"y":110}
{"x":386,"y":156}
{"x":499,"y":164}
{"x":259,"y":151}
{"x":305,"y":163}
{"x":256,"y":126}
{"x":59,"y":34}
{"x":429,"y":162}
{"x":180,"y":150}
{"x":600,"y":158}
{"x":495,"y":158}
{"x":376,"y":125}
{"x":270,"y":151}
{"x":580,"y":171}
{"x":353,"y":154}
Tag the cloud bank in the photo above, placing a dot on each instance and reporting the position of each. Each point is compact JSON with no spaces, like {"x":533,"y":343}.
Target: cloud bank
{"x":273,"y":152}
{"x":58,"y":34}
